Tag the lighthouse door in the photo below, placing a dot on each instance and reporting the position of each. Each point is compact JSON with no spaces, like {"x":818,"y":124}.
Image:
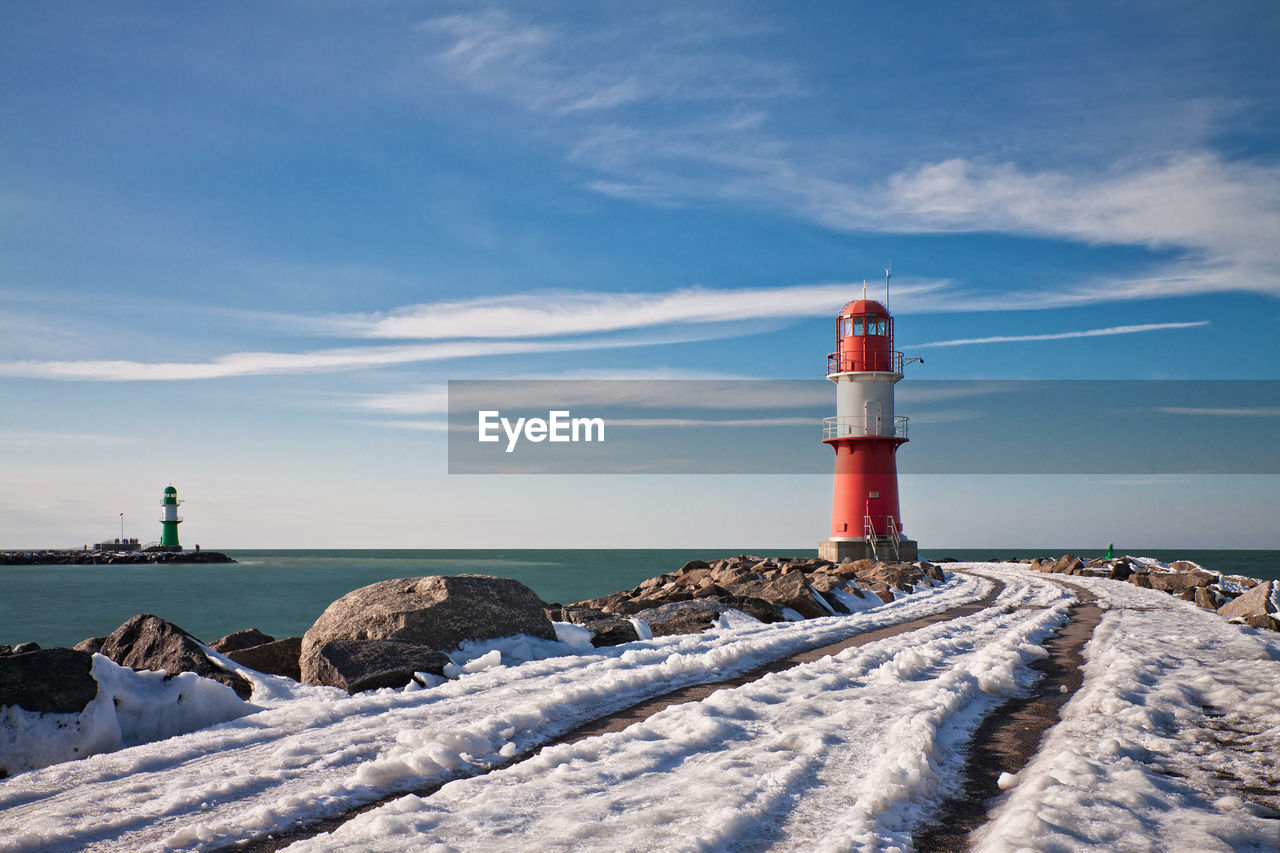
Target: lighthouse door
{"x":873,"y":417}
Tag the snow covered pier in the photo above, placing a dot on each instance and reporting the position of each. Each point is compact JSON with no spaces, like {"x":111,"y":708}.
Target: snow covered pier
{"x":1168,"y":743}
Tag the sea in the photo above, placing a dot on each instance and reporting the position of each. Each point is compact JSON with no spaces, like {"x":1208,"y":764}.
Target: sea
{"x":282,"y":592}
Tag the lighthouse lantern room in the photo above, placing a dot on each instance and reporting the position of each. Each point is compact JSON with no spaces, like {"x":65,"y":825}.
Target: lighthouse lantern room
{"x":866,"y":521}
{"x":169,"y":520}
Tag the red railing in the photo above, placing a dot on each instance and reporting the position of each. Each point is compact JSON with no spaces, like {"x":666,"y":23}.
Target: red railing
{"x":877,"y":362}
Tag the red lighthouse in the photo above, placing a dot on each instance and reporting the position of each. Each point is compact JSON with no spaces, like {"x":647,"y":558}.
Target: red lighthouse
{"x":865,"y":435}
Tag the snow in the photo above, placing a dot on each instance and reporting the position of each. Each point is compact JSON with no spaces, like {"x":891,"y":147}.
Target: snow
{"x":131,"y":708}
{"x":845,"y":752}
{"x":643,"y":631}
{"x":573,"y":635}
{"x":1144,"y":751}
{"x":1169,"y":744}
{"x":324,"y":752}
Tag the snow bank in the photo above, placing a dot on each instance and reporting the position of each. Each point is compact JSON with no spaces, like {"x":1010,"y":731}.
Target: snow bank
{"x":1170,"y":743}
{"x":324,"y":752}
{"x":131,"y":708}
{"x":847,"y":752}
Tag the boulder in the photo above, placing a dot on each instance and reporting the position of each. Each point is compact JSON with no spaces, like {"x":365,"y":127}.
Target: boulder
{"x":1121,"y":571}
{"x":436,"y":612}
{"x":1261,"y":620}
{"x":1178,"y":583}
{"x":605,"y":603}
{"x":278,"y":657}
{"x":5,"y":649}
{"x":246,"y":639}
{"x":1206,"y":598}
{"x":359,"y":665}
{"x":1183,"y":566}
{"x":611,"y":631}
{"x":933,"y":572}
{"x":757,"y":608}
{"x":881,"y":591}
{"x":1141,"y":579}
{"x":149,"y":642}
{"x":1067,"y":564}
{"x":56,"y":681}
{"x":903,"y":576}
{"x":686,"y":619}
{"x":606,"y":628}
{"x":23,"y":648}
{"x":790,"y":590}
{"x":695,"y":564}
{"x":91,"y":645}
{"x":1255,"y":602}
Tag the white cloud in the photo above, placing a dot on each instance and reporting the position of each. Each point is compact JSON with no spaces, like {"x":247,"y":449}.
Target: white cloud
{"x":544,"y":68}
{"x":1059,"y":336}
{"x":1241,"y":412}
{"x":549,"y":314}
{"x":316,"y":361}
{"x":1214,"y":221}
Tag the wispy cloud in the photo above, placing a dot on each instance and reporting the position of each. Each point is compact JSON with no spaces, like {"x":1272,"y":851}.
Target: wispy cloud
{"x":1217,"y":218}
{"x":552,"y":314}
{"x":1059,"y":336}
{"x":31,"y":438}
{"x":547,"y":68}
{"x":1225,"y":412}
{"x":316,"y":361}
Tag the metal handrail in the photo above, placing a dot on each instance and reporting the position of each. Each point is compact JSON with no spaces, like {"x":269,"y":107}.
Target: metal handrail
{"x":872,"y":362}
{"x":858,"y":426}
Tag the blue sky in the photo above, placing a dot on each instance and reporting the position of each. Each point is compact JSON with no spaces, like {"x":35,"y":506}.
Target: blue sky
{"x":243,"y":247}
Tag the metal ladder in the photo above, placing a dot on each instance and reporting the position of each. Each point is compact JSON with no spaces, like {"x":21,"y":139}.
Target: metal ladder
{"x":869,"y":531}
{"x":894,"y":536}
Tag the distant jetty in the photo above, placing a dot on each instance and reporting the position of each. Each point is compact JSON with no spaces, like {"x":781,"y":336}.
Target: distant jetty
{"x":96,"y":557}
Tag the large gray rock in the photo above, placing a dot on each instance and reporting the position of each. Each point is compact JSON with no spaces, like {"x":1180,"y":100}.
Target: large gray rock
{"x":55,"y":681}
{"x":1177,"y":583}
{"x":1067,"y":564}
{"x":279,"y":657}
{"x":789,"y":590}
{"x":149,"y":642}
{"x":606,"y":628}
{"x":437,"y":612}
{"x":358,"y":665}
{"x":90,"y":645}
{"x":237,"y":640}
{"x":1255,"y":602}
{"x":686,"y":620}
{"x":684,"y":617}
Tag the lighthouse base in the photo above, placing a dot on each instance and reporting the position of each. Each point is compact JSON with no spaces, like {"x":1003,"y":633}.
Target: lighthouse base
{"x":837,"y":550}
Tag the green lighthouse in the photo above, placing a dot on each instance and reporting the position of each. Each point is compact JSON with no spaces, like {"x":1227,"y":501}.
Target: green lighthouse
{"x":170,"y":520}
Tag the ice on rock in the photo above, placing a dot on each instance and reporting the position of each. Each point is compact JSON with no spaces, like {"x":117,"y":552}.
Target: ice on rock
{"x":642,"y":628}
{"x":131,"y":708}
{"x":1006,"y":781}
{"x":574,"y":636}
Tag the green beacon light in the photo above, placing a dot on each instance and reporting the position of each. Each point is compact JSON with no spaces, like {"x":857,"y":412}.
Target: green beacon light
{"x":169,"y":520}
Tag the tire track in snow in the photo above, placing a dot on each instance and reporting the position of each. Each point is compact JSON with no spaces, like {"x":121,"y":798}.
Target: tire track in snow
{"x":645,"y":709}
{"x":1011,"y":736}
{"x":850,"y":751}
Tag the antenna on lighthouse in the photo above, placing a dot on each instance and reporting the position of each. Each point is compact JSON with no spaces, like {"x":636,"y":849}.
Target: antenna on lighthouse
{"x":888,"y":273}
{"x":864,"y":290}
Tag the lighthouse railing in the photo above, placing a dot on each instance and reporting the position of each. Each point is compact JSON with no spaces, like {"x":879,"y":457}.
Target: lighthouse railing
{"x":862,"y":426}
{"x":870,"y":361}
